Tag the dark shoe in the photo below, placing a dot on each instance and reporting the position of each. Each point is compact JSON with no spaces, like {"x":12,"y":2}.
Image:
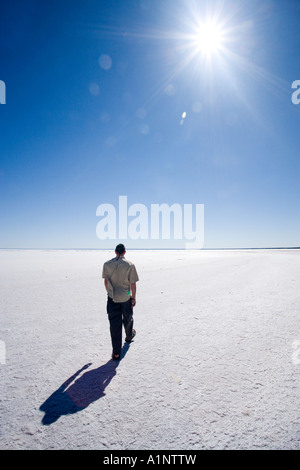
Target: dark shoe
{"x":128,"y":340}
{"x":116,"y":357}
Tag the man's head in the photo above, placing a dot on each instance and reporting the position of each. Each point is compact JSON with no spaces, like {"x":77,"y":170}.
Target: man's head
{"x":120,"y":249}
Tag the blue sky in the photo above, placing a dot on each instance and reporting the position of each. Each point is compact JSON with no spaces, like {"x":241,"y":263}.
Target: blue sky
{"x":95,"y":93}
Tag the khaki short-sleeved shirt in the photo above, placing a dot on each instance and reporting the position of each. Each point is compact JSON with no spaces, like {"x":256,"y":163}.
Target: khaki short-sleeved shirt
{"x":120,"y":273}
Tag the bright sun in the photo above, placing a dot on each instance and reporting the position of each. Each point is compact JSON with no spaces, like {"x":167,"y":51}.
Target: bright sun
{"x":208,"y":38}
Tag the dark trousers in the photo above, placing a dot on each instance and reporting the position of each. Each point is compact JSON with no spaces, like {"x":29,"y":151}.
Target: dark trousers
{"x":119,"y":313}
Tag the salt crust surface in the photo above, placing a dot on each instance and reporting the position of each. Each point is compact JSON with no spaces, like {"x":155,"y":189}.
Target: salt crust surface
{"x":214,"y":364}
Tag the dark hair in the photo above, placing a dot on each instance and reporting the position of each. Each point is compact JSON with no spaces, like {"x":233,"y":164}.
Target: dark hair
{"x":120,"y":249}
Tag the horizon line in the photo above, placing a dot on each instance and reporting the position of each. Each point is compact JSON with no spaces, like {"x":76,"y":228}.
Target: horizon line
{"x":159,"y":249}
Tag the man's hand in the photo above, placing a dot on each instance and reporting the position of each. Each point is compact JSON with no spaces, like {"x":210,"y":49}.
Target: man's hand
{"x":133,"y":293}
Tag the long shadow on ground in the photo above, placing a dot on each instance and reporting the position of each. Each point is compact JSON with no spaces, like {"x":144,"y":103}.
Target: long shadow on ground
{"x":72,"y":397}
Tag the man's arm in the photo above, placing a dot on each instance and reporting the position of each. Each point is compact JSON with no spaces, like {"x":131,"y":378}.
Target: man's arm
{"x":104,"y":274}
{"x":133,"y":293}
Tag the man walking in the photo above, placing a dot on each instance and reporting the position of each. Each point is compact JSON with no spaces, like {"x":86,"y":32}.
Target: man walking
{"x":120,"y":279}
